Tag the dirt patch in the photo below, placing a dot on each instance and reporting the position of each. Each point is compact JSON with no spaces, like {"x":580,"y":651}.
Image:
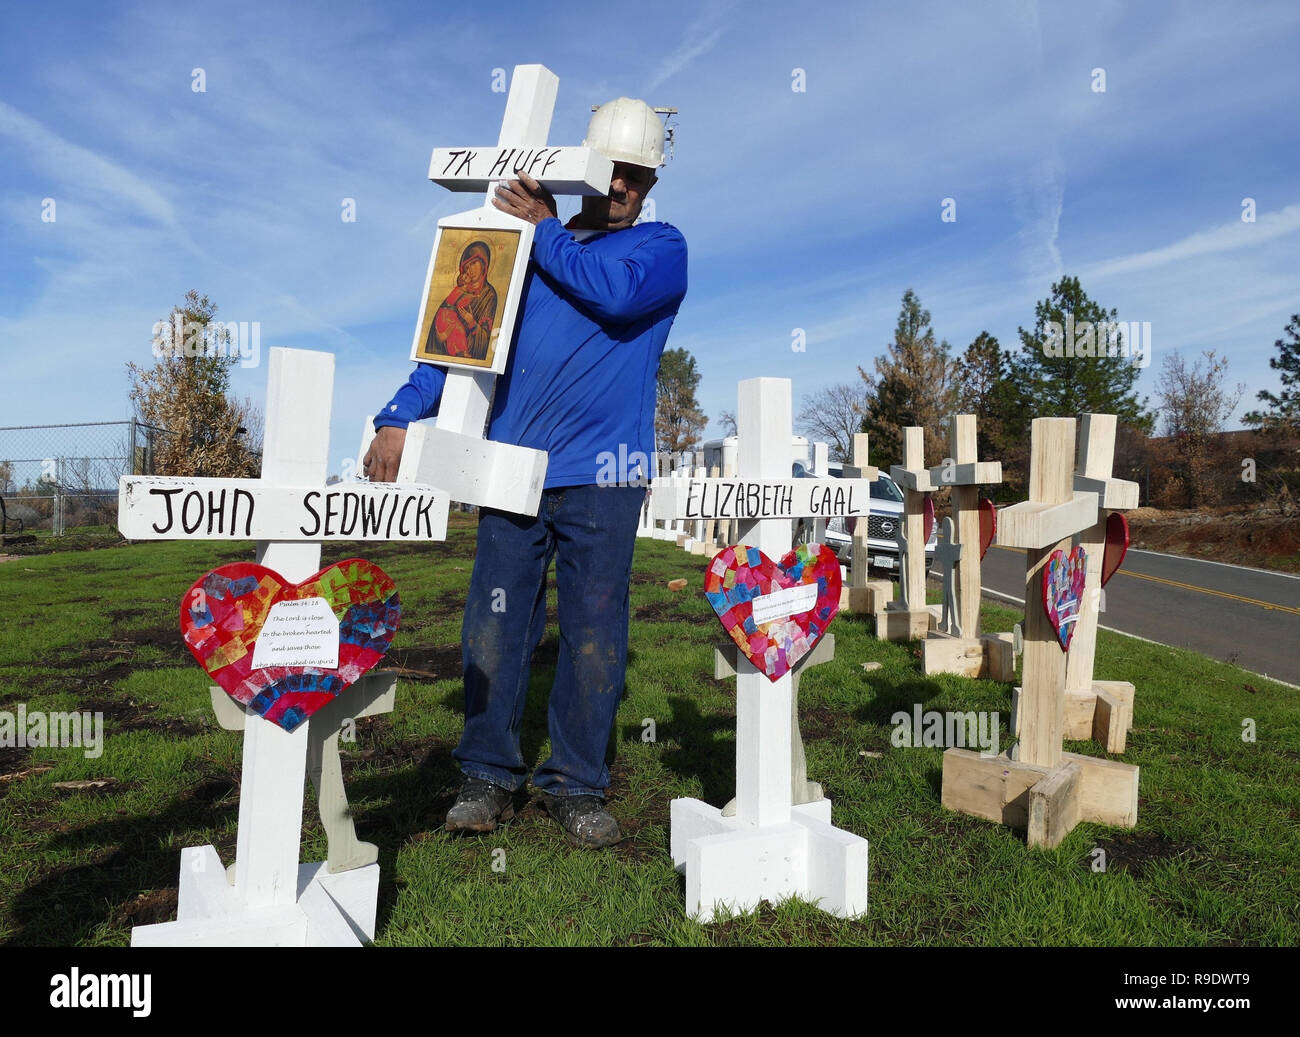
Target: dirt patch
{"x":669,"y":612}
{"x":735,"y":930}
{"x":1136,"y":852}
{"x":1238,"y":536}
{"x":428,"y":661}
{"x":147,"y":909}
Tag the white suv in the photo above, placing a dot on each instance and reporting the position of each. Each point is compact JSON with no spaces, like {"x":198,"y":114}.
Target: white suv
{"x":885,"y":517}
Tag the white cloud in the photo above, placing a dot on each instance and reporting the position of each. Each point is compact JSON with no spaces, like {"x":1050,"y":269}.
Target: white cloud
{"x":1227,"y":237}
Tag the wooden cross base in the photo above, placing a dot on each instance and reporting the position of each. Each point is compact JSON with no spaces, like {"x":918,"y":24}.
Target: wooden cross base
{"x":870,"y":598}
{"x":1104,"y":713}
{"x":895,"y":622}
{"x":989,"y":655}
{"x":336,"y":899}
{"x":734,"y":866}
{"x":331,"y":910}
{"x":1047,"y":801}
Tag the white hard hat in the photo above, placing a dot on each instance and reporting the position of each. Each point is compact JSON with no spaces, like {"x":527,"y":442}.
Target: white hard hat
{"x":626,"y":130}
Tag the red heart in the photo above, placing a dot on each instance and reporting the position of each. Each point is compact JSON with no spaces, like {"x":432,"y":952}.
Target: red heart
{"x":740,"y":578}
{"x":1116,"y":545}
{"x":1063,"y":581}
{"x":928,"y":511}
{"x":224,"y":612}
{"x":988,"y":524}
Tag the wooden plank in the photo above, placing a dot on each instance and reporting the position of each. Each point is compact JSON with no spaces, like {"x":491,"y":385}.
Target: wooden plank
{"x":711,"y":527}
{"x":914,"y":518}
{"x":1054,"y":807}
{"x":480,"y":471}
{"x":968,"y":473}
{"x":1041,"y":708}
{"x":999,"y":657}
{"x":1034,"y":524}
{"x":1122,"y":692}
{"x":561,"y":170}
{"x":1108,"y":791}
{"x":725,"y":655}
{"x":157,"y":507}
{"x":962,"y":445}
{"x":695,"y":499}
{"x":1112,"y":494}
{"x":992,"y":787}
{"x":960,"y":655}
{"x":295,"y":451}
{"x":860,"y":575}
{"x":1108,"y":722}
{"x":901,"y":624}
{"x":763,"y":732}
{"x":1080,"y":710}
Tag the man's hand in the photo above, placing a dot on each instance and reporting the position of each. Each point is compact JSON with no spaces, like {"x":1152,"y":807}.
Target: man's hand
{"x":384,"y":455}
{"x":525,"y":198}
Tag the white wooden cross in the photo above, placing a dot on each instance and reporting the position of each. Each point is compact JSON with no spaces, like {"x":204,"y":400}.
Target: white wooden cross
{"x":1039,"y":785}
{"x":958,"y":646}
{"x":908,"y":618}
{"x":267,"y":897}
{"x":772,"y":848}
{"x":1097,"y":709}
{"x":452,"y":453}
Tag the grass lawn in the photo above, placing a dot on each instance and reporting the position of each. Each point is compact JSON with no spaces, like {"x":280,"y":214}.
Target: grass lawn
{"x":1213,"y":860}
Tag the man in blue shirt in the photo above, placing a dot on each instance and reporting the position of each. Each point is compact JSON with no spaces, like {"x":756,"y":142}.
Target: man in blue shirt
{"x":600,"y":298}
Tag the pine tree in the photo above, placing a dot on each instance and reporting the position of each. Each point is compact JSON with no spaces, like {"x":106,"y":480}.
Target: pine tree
{"x":911,"y":386}
{"x":1283,"y":414}
{"x":678,"y":418}
{"x":1065,"y":379}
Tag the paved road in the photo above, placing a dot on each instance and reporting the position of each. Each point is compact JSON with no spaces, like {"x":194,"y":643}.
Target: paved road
{"x":1227,"y":612}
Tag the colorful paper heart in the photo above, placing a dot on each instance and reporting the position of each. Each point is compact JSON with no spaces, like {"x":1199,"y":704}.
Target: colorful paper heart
{"x":345,"y":614}
{"x":988,"y":525}
{"x":1063,"y":579}
{"x":1116,"y":545}
{"x":774,"y":611}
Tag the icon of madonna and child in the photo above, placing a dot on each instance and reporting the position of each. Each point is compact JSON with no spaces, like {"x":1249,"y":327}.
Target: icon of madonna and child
{"x":464,"y":327}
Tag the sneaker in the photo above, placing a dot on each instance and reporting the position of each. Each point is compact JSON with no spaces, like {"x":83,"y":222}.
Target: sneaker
{"x":479,"y":807}
{"x":584,"y":819}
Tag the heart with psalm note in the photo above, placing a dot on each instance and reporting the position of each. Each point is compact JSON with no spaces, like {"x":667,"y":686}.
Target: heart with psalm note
{"x":1063,"y":579}
{"x":1116,"y":545}
{"x":288,"y":649}
{"x":774,"y":611}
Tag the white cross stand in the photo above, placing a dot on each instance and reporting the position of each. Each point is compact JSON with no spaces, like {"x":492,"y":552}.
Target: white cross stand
{"x":1102,"y":710}
{"x":772,"y":848}
{"x":267,"y":898}
{"x":452,"y":453}
{"x":1038,"y":786}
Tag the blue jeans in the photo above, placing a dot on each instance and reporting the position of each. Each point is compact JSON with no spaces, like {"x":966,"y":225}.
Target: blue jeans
{"x":590,"y":531}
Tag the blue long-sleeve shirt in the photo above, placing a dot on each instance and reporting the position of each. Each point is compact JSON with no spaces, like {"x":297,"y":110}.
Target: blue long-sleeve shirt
{"x":580,"y":381}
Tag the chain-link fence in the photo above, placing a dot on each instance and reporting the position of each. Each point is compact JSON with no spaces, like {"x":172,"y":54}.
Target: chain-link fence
{"x":59,"y":477}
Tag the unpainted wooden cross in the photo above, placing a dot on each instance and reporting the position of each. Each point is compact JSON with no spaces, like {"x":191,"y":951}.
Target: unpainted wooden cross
{"x":965,"y":474}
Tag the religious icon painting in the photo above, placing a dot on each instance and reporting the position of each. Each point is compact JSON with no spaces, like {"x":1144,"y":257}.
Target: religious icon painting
{"x":472,"y":289}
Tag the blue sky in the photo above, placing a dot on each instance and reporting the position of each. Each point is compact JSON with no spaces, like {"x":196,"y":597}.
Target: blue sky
{"x":810,"y":210}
